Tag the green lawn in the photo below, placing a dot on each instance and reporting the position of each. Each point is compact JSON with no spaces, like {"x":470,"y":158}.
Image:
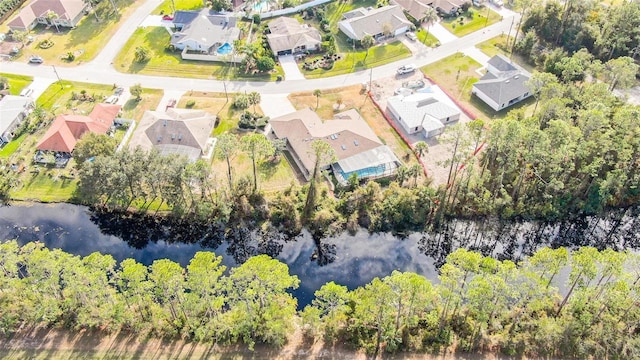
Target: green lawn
{"x":359,"y":60}
{"x":52,"y":185}
{"x":86,"y":40}
{"x":167,"y":8}
{"x":427,"y":38}
{"x":10,"y":148}
{"x":57,"y":97}
{"x":17,"y":82}
{"x":169,"y":63}
{"x":457,"y":74}
{"x":469,"y":24}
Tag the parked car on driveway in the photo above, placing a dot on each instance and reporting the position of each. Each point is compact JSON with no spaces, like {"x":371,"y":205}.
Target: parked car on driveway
{"x":35,"y":59}
{"x":167,"y":17}
{"x":411,"y":36}
{"x":406,"y":69}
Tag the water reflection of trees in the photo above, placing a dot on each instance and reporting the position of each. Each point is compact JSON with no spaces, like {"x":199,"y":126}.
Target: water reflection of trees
{"x":502,"y":239}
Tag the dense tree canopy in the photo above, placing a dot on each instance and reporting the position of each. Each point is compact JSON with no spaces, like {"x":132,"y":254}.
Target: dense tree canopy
{"x":478,"y":303}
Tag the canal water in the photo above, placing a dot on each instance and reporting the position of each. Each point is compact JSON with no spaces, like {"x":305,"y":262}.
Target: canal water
{"x":357,"y":260}
{"x":351,"y":260}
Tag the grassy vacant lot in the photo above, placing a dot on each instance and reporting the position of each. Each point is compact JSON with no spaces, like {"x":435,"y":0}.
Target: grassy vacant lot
{"x":86,"y":40}
{"x":17,"y":82}
{"x":169,"y":63}
{"x":457,"y":74}
{"x":167,"y":8}
{"x":43,"y":183}
{"x":471,"y":23}
{"x":352,"y":97}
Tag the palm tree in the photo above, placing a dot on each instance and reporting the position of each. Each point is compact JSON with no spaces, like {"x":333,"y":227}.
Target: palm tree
{"x":367,"y":42}
{"x":254,"y":99}
{"x":414,"y":171}
{"x":430,"y":16}
{"x":317,"y":94}
{"x":420,"y":148}
{"x":51,"y":16}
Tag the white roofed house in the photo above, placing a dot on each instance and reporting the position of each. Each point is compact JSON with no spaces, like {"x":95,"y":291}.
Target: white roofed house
{"x":13,"y":110}
{"x":503,"y":85}
{"x":288,"y":36}
{"x":377,"y":22}
{"x":205,"y":32}
{"x":357,"y":148}
{"x":422,"y":112}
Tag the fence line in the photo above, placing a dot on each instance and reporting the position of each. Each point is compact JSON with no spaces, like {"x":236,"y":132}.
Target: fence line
{"x":292,"y":10}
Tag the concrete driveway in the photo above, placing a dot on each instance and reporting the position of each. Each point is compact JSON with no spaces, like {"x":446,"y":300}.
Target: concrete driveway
{"x":477,"y":55}
{"x":274,"y":105}
{"x":441,"y":33}
{"x":290,"y":68}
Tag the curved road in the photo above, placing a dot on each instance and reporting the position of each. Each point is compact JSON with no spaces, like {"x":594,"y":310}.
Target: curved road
{"x":100,"y":70}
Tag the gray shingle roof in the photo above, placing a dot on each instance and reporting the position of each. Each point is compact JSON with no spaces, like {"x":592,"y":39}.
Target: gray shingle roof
{"x":288,"y":33}
{"x":181,"y":131}
{"x":370,"y":21}
{"x":506,"y":84}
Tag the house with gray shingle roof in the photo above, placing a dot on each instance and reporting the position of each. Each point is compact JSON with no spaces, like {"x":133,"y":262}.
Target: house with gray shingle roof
{"x":503,"y":85}
{"x":176,"y":131}
{"x":422,"y":112}
{"x":204,"y":32}
{"x":13,"y":110}
{"x":288,"y":36}
{"x":377,"y":22}
{"x":357,"y":148}
{"x":69,"y":13}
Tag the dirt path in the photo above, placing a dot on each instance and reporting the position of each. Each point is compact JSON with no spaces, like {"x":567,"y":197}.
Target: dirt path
{"x":43,"y":343}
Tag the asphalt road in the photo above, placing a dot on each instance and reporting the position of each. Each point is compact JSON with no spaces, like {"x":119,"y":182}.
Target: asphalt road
{"x":100,"y":70}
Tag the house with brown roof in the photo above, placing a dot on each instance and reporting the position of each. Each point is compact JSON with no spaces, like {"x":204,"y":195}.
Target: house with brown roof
{"x":68,"y":14}
{"x":67,"y":129}
{"x":377,"y":22}
{"x":288,"y":36}
{"x":357,"y":148}
{"x":417,"y":9}
{"x":175,"y":131}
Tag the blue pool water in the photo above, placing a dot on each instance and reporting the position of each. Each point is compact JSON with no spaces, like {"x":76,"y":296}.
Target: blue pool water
{"x":224,"y":49}
{"x":261,"y":6}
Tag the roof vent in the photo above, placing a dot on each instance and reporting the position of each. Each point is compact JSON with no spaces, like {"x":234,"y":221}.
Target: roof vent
{"x":159,"y":138}
{"x":355,"y":142}
{"x":506,"y":82}
{"x":343,"y":147}
{"x":517,"y":76}
{"x":173,"y":137}
{"x":164,"y":122}
{"x":179,"y":137}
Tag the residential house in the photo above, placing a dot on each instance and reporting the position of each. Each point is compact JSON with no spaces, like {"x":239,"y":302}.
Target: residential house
{"x":288,"y":36}
{"x":503,"y":85}
{"x":377,"y":22}
{"x":448,"y":7}
{"x":422,"y":112}
{"x":417,"y":8}
{"x":13,"y":109}
{"x":68,"y":14}
{"x":67,"y":129}
{"x":204,"y":31}
{"x":357,"y":148}
{"x":175,"y":131}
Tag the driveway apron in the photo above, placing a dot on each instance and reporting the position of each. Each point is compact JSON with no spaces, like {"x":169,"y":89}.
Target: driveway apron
{"x":290,"y":68}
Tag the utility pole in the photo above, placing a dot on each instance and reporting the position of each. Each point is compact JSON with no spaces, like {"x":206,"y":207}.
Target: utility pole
{"x":58,"y":76}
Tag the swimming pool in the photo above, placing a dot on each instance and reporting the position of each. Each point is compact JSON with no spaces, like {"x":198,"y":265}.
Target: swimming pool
{"x":224,"y":49}
{"x":261,"y":6}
